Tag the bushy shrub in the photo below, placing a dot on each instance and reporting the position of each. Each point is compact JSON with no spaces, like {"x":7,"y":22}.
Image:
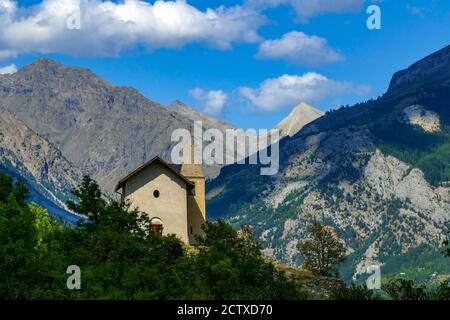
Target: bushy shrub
{"x":353,"y":292}
{"x":121,"y":258}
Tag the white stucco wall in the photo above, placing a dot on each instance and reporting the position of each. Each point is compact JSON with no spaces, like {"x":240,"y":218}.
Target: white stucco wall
{"x":170,"y":206}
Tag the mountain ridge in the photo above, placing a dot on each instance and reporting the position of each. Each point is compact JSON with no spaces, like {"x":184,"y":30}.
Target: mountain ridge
{"x":436,"y":64}
{"x":70,"y":105}
{"x":365,"y":171}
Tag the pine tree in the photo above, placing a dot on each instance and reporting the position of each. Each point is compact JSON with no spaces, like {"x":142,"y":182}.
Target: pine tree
{"x":322,"y":250}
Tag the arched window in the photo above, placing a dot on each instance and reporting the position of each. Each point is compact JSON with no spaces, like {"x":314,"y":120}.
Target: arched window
{"x":156,"y":193}
{"x":157,"y":226}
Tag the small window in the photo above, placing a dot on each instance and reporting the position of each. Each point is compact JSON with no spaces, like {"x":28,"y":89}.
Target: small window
{"x":191,"y":230}
{"x":156,"y":193}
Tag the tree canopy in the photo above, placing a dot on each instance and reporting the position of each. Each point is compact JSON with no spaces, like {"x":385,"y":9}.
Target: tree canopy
{"x":121,"y":258}
{"x":322,"y":250}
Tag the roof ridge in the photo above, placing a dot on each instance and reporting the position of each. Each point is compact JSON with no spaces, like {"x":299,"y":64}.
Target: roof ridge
{"x":140,"y":168}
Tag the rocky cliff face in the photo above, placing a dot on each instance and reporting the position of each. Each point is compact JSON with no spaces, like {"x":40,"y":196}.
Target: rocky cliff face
{"x":37,"y":160}
{"x":372,"y":171}
{"x":104,"y":130}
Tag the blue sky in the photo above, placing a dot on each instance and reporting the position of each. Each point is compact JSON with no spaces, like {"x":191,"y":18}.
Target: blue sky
{"x":249,"y":67}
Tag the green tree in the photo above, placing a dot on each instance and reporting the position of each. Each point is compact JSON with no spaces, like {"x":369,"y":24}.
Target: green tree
{"x":403,"y":289}
{"x":322,"y":250}
{"x":353,"y":292}
{"x":447,"y":250}
{"x":91,"y":203}
{"x":121,"y":258}
{"x":6,"y":187}
{"x":442,"y":291}
{"x":18,"y":238}
{"x":21,"y":192}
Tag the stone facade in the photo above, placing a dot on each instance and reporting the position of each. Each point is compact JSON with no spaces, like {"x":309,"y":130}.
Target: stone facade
{"x":170,"y":195}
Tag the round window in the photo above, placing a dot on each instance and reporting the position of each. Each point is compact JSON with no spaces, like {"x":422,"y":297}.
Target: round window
{"x":156,"y":193}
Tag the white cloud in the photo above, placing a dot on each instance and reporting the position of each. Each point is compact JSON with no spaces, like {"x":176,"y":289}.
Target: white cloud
{"x":8,"y":69}
{"x":299,"y":48}
{"x":108,"y":28}
{"x":212,"y":101}
{"x":309,"y":8}
{"x":288,"y":90}
{"x":4,"y":54}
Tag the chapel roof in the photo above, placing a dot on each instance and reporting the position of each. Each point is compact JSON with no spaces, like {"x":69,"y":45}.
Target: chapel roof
{"x":172,"y":167}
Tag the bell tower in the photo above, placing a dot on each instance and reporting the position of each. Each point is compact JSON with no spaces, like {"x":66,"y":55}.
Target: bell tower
{"x":192,"y":169}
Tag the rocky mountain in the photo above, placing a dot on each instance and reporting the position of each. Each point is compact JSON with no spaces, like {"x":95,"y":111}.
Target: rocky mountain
{"x":104,"y":130}
{"x":300,"y":116}
{"x":25,"y":154}
{"x":433,"y":68}
{"x":377,"y":172}
{"x":194,"y":115}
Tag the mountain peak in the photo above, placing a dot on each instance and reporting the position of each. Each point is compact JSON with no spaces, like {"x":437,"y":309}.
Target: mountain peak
{"x":46,"y":62}
{"x":299,"y":117}
{"x":46,"y":70}
{"x":178,"y":102}
{"x":42,"y":65}
{"x":434,"y":67}
{"x":178,"y":105}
